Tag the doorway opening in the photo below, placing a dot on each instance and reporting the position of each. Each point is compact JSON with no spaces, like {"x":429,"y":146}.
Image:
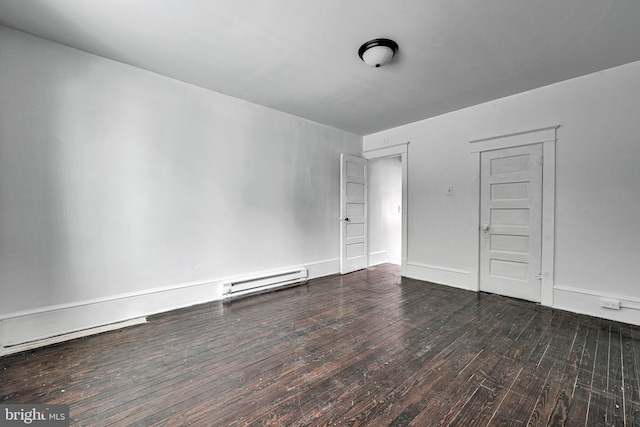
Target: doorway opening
{"x":397,"y":153}
{"x":354,"y":209}
{"x":385,"y":210}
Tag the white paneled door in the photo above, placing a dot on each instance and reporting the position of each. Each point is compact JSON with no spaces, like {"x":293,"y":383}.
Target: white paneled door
{"x":511,"y":221}
{"x":353,"y":213}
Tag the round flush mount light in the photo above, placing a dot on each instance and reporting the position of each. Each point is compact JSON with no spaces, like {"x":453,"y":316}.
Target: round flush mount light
{"x":378,"y":52}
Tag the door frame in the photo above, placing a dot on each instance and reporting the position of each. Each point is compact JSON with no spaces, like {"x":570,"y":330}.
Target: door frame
{"x":397,"y":150}
{"x":547,"y":137}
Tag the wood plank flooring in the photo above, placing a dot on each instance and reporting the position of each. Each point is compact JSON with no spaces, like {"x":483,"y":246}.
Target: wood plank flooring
{"x":368,"y":348}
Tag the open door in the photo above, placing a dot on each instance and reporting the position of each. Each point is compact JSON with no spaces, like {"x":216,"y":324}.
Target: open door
{"x":353,"y":214}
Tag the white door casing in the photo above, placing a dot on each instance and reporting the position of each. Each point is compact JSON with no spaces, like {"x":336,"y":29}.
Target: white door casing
{"x":353,"y":214}
{"x":511,"y":221}
{"x":547,"y":137}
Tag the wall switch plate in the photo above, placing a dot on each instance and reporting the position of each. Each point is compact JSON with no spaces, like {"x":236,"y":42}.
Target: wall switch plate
{"x":612,"y":304}
{"x":449,"y":191}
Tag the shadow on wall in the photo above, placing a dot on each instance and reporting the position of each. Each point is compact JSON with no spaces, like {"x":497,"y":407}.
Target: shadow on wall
{"x":38,"y":215}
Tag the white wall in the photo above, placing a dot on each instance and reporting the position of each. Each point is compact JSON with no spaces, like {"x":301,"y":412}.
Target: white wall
{"x":116,"y":182}
{"x":385,"y":220}
{"x":597,"y":243}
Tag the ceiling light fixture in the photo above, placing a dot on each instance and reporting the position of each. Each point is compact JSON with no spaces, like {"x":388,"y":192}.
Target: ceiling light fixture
{"x":378,"y":52}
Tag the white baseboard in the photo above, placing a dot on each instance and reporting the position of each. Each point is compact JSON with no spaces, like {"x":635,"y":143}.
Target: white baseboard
{"x":323,"y":268}
{"x":71,"y":336}
{"x":61,"y":322}
{"x":376,"y":258}
{"x":440,"y":275}
{"x":588,"y":302}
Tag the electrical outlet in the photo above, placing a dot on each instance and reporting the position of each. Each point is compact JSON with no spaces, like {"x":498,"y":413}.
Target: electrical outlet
{"x":612,"y":304}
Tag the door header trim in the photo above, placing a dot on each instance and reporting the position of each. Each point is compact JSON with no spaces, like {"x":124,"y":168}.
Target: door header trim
{"x":517,"y":139}
{"x":389,"y":150}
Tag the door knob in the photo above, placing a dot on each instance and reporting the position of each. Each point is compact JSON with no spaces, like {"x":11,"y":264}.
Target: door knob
{"x":485,"y":231}
{"x":347,"y":219}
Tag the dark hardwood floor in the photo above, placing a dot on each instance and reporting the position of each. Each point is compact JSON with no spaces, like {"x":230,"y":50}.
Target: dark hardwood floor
{"x":368,"y":348}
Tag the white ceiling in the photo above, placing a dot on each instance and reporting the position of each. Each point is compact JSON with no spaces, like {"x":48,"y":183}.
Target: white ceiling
{"x":300,"y":56}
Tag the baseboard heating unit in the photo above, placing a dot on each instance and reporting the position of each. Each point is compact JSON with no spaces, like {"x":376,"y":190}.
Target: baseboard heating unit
{"x":260,"y":283}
